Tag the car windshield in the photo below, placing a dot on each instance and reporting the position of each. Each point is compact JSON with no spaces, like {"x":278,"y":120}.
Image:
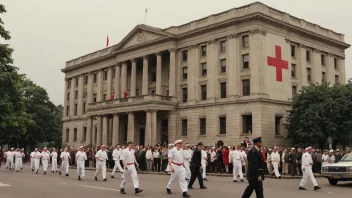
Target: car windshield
{"x":347,"y":158}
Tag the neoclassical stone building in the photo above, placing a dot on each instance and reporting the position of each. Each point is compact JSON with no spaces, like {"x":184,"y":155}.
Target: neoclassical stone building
{"x":222,"y":77}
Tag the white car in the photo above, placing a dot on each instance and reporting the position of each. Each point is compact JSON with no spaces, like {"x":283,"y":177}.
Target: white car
{"x":341,"y":171}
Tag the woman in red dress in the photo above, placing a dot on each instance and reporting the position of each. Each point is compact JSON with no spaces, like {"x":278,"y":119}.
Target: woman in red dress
{"x":225,"y":157}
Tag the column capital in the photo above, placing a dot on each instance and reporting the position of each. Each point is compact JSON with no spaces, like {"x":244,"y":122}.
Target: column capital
{"x":133,"y":60}
{"x":232,"y":36}
{"x":211,"y":42}
{"x":145,"y":57}
{"x":195,"y":46}
{"x":158,"y":53}
{"x":287,"y":41}
{"x":172,"y":50}
{"x":316,"y":50}
{"x":258,"y":31}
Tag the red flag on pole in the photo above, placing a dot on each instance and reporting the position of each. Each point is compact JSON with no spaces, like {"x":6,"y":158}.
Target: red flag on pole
{"x":107,"y":40}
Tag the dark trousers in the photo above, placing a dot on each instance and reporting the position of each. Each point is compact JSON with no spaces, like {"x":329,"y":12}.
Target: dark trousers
{"x":254,"y":185}
{"x":142,"y":164}
{"x":299,"y":167}
{"x":195,"y":173}
{"x":157,"y":163}
{"x":318,"y":167}
{"x":293,"y":169}
{"x":220,"y":166}
{"x":165,"y":162}
{"x":231,"y":168}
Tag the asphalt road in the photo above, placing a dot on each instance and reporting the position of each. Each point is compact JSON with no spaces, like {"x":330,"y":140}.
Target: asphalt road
{"x":30,"y":185}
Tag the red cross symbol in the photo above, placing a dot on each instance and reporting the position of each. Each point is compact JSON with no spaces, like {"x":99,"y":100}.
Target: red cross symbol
{"x":278,"y":63}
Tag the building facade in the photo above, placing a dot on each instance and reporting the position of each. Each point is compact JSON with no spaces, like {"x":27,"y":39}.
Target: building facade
{"x":222,"y":77}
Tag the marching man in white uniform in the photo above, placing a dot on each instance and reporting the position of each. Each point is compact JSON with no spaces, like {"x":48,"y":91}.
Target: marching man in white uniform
{"x":116,"y":157}
{"x":9,"y":159}
{"x":101,"y":158}
{"x":81,"y":158}
{"x":36,"y":157}
{"x":18,"y":163}
{"x":176,"y":163}
{"x":204,"y":164}
{"x":45,"y":159}
{"x":237,"y":159}
{"x":32,"y":160}
{"x":129,"y":161}
{"x":187,"y":159}
{"x":307,"y":164}
{"x":275,"y":160}
{"x":65,"y":157}
{"x":53,"y":156}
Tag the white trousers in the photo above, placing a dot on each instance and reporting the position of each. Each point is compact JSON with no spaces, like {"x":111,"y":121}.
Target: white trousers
{"x":188,"y":171}
{"x":307,"y":172}
{"x":36,"y":164}
{"x":204,"y":165}
{"x":80,"y":168}
{"x":180,"y":172}
{"x":117,"y":166}
{"x":64,"y":166}
{"x":131,"y":171}
{"x":10,"y":164}
{"x":32,"y":163}
{"x":54,"y":165}
{"x":237,"y":170}
{"x":276,"y":168}
{"x":45,"y":164}
{"x":18,"y":164}
{"x":101,"y":166}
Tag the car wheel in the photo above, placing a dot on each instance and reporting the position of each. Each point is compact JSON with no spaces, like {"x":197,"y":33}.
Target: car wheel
{"x":333,"y":181}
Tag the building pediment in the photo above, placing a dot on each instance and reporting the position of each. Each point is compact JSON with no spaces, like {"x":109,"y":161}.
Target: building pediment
{"x":141,"y":35}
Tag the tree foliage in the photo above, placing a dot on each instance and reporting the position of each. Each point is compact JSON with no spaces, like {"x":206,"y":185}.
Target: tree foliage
{"x":320,"y":111}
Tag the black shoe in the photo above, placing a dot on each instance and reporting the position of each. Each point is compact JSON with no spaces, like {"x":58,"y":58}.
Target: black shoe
{"x":235,"y":181}
{"x":190,"y":187}
{"x":241,"y":180}
{"x":137,"y":190}
{"x":168,"y":191}
{"x":56,"y":171}
{"x":52,"y":171}
{"x":279,"y":177}
{"x":66,"y":175}
{"x":316,"y":188}
{"x":44,"y":172}
{"x":187,"y":179}
{"x":301,"y":188}
{"x":122,"y":191}
{"x":60,"y":173}
{"x":96,"y":179}
{"x":21,"y":168}
{"x":36,"y":172}
{"x":205,"y":179}
{"x":112,"y":176}
{"x":105,"y":179}
{"x":204,"y":187}
{"x":79,"y":178}
{"x":17,"y":171}
{"x":185,"y":194}
{"x":32,"y":170}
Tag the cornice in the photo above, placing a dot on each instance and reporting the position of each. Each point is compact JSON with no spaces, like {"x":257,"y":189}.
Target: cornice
{"x":258,"y":31}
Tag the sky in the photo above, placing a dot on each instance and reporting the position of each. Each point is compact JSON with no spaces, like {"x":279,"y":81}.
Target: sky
{"x":47,"y":33}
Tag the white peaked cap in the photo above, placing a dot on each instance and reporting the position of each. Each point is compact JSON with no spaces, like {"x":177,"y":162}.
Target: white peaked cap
{"x":178,"y":141}
{"x":308,"y":148}
{"x":81,"y":147}
{"x":171,"y":145}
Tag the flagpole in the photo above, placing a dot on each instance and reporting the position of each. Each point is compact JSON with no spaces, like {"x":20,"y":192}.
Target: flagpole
{"x":145,"y":17}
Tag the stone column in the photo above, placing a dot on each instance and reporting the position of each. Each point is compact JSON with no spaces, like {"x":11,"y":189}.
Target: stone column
{"x":100,"y":86}
{"x":115,"y":130}
{"x":302,"y":70}
{"x":105,"y":130}
{"x":233,"y":66}
{"x":342,"y":70}
{"x":99,"y":142}
{"x":212,"y":71}
{"x":145,"y":82}
{"x":89,"y":131}
{"x":330,"y":70}
{"x":65,"y":99}
{"x":154,"y":127}
{"x":123,"y":78}
{"x":148,"y":129}
{"x":90,"y":88}
{"x":172,"y":80}
{"x":133,"y":78}
{"x":72,"y":97}
{"x":316,"y":66}
{"x":108,"y":91}
{"x":193,"y":73}
{"x":117,"y":82}
{"x":173,"y":133}
{"x":158,"y":73}
{"x":80,"y":95}
{"x":130,"y":131}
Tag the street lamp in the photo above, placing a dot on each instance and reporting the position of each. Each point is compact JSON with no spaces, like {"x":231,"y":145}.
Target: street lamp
{"x":330,"y":142}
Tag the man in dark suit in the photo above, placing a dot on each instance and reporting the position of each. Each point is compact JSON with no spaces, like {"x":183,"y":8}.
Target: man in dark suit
{"x":255,"y":173}
{"x":196,"y":166}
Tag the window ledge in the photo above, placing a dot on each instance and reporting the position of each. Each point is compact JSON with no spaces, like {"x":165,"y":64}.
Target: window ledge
{"x":246,"y":134}
{"x":221,"y":135}
{"x":202,"y":136}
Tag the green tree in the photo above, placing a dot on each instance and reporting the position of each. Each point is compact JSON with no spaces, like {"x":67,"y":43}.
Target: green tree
{"x":320,"y":111}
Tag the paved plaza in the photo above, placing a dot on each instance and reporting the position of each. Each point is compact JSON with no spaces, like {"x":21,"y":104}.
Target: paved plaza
{"x":30,"y":185}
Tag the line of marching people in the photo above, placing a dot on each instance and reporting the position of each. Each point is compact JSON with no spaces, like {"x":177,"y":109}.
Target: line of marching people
{"x":14,"y":159}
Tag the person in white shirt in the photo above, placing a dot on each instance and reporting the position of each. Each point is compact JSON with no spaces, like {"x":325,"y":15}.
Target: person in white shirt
{"x":101,"y":158}
{"x":65,"y":157}
{"x":36,"y":157}
{"x":32,"y":160}
{"x":18,"y":163}
{"x":237,"y":159}
{"x":176,"y":163}
{"x":9,"y":159}
{"x":275,"y":160}
{"x":53,"y":156}
{"x":149,"y":158}
{"x":168,"y":150}
{"x":45,"y":155}
{"x":213,"y":158}
{"x":331,"y":157}
{"x":268,"y":162}
{"x":204,"y":164}
{"x":116,"y":157}
{"x":129,"y":161}
{"x":307,"y":164}
{"x":81,"y":158}
{"x":244,"y":161}
{"x":187,"y":159}
{"x":325,"y":158}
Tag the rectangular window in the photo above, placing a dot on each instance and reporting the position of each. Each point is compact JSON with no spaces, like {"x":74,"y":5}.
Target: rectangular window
{"x":84,"y":137}
{"x":153,"y":75}
{"x":95,"y":78}
{"x":76,"y":107}
{"x":95,"y":134}
{"x":94,"y":97}
{"x":184,"y":94}
{"x":113,"y":73}
{"x":68,"y":110}
{"x":336,"y":79}
{"x":246,"y":87}
{"x":245,"y":41}
{"x":184,"y":55}
{"x":167,"y":92}
{"x":68,"y":95}
{"x":105,"y":75}
{"x":203,"y":67}
{"x":184,"y":127}
{"x":323,"y":77}
{"x":245,"y":61}
{"x":184,"y":73}
{"x":222,"y":123}
{"x":335,"y":63}
{"x":247,"y":123}
{"x":152,"y":91}
{"x":278,"y":125}
{"x":309,"y":74}
{"x":76,"y":94}
{"x":84,"y":107}
{"x":76,"y":82}
{"x":322,"y":57}
{"x":67,"y":135}
{"x":308,"y":55}
{"x":203,"y":126}
{"x":69,"y":84}
{"x":294,"y":91}
{"x":223,"y":46}
{"x":204,"y":92}
{"x":203,"y":50}
{"x":223,"y":65}
{"x":86,"y":79}
{"x":105,"y":97}
{"x":293,"y":70}
{"x":293,"y":51}
{"x":223,"y":90}
{"x":74,"y":135}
